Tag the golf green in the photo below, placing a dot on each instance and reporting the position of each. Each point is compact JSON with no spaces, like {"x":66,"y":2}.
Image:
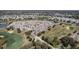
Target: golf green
{"x":14,"y":41}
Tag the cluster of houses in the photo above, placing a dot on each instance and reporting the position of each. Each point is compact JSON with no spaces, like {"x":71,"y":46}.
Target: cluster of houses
{"x":38,"y":26}
{"x":17,"y":16}
{"x":34,"y":25}
{"x":68,"y":20}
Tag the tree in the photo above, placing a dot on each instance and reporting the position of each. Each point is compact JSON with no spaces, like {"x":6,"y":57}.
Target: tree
{"x":74,"y":31}
{"x":18,"y":30}
{"x":53,"y":26}
{"x":65,"y":41}
{"x":10,"y":28}
{"x":28,"y":37}
{"x":28,"y":32}
{"x":49,"y":28}
{"x":43,"y":37}
{"x":68,"y":21}
{"x":60,"y":23}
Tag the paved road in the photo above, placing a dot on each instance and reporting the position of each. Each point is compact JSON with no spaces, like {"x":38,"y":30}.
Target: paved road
{"x":42,"y":41}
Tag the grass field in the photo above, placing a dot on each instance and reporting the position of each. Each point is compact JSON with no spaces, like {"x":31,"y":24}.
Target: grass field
{"x":58,"y":31}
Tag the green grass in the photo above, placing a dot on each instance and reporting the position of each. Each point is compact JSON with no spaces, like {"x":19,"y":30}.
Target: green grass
{"x":13,"y":40}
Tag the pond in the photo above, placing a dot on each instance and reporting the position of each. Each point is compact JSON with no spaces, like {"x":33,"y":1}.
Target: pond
{"x":3,"y":25}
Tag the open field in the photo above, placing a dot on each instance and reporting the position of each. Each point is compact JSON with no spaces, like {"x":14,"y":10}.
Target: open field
{"x":60,"y":31}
